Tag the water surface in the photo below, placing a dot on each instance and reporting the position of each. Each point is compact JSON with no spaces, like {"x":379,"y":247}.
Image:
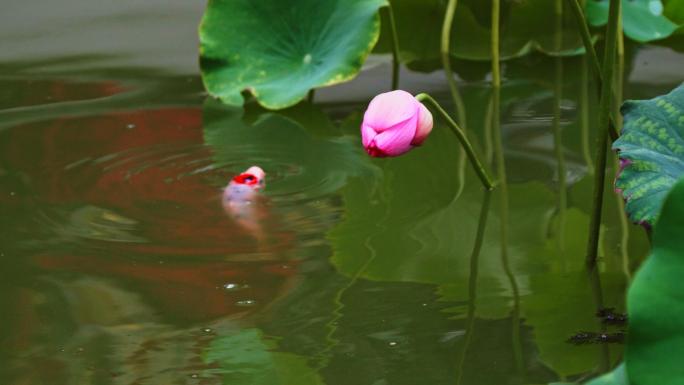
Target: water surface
{"x":120,"y":265}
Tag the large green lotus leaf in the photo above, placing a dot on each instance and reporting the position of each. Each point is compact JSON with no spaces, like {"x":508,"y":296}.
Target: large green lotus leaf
{"x":655,"y":303}
{"x":247,"y":358}
{"x":642,"y":20}
{"x":617,"y":377}
{"x":525,"y":27}
{"x":280,"y":49}
{"x":651,"y":150}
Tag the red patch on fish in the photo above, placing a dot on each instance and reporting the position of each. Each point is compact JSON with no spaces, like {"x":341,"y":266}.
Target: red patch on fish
{"x":246,"y":178}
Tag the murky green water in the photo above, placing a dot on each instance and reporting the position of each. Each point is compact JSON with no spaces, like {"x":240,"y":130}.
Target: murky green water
{"x":119,"y":264}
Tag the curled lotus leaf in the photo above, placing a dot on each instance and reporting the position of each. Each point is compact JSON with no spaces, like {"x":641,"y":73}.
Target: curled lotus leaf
{"x":651,"y":151}
{"x":278,"y":50}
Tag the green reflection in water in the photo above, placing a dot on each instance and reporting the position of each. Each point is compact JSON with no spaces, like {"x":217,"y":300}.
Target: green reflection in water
{"x":246,"y":358}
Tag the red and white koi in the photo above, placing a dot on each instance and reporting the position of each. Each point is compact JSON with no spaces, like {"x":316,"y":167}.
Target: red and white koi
{"x":241,"y":199}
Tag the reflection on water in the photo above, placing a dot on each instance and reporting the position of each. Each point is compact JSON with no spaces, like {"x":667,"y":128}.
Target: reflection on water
{"x":120,"y":266}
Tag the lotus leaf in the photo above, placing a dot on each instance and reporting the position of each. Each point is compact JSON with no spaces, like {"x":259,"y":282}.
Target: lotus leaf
{"x":651,"y":151}
{"x":655,"y":303}
{"x":642,"y":20}
{"x":280,"y":49}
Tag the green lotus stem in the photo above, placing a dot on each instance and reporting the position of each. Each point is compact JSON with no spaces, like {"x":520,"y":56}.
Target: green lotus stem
{"x":395,"y":46}
{"x":619,"y":75}
{"x":583,"y":27}
{"x":584,"y":115}
{"x":624,"y":229}
{"x":445,"y":48}
{"x":460,"y":174}
{"x":619,"y":88}
{"x":612,"y":129}
{"x":488,"y":125}
{"x":446,"y":63}
{"x":503,"y":227}
{"x":446,"y":57}
{"x":603,"y":124}
{"x":474,"y":160}
{"x":576,"y":8}
{"x":496,"y":71}
{"x":501,"y":169}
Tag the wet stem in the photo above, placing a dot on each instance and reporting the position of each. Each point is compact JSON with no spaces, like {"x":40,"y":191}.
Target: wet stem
{"x":460,"y":135}
{"x":604,"y":123}
{"x":496,"y":71}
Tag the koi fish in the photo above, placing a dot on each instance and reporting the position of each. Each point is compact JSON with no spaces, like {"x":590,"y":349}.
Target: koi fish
{"x":243,"y":187}
{"x":241,"y":200}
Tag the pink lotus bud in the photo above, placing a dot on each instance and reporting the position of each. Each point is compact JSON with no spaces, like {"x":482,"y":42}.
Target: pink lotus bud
{"x":394,"y":123}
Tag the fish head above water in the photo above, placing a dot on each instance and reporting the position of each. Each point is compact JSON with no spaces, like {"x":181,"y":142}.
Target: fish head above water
{"x":243,"y":187}
{"x":253,"y":177}
{"x":243,"y":203}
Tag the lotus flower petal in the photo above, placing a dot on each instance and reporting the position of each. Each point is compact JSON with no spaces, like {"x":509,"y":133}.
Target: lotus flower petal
{"x":389,"y":109}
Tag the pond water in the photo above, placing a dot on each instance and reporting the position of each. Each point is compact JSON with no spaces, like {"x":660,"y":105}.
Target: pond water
{"x":119,"y":264}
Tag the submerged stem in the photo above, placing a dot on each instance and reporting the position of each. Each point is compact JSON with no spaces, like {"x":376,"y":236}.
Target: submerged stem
{"x":597,"y":293}
{"x":395,"y":47}
{"x":477,"y":165}
{"x":472,"y":283}
{"x":603,"y":124}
